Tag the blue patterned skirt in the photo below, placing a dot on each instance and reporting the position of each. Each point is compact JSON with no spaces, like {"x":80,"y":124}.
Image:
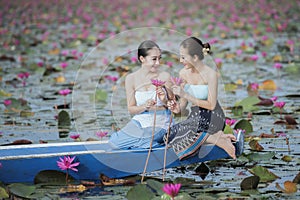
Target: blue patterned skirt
{"x":187,"y":136}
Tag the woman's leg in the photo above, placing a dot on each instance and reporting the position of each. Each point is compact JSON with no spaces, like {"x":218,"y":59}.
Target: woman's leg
{"x":223,"y":141}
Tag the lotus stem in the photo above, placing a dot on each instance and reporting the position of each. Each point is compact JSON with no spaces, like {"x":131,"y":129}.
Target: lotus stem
{"x":166,"y":148}
{"x":151,"y":142}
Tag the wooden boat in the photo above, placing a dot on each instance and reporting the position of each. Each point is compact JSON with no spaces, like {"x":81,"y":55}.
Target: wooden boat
{"x":21,"y":163}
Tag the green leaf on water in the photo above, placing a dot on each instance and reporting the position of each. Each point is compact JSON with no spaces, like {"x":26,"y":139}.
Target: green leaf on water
{"x":141,"y":192}
{"x":64,"y":123}
{"x":256,"y":157}
{"x":52,"y":177}
{"x":237,"y":110}
{"x":21,"y":190}
{"x":99,"y":96}
{"x":3,"y":193}
{"x":250,"y":183}
{"x":264,"y":174}
{"x":248,"y":103}
{"x":244,"y":124}
{"x":156,"y":186}
{"x":292,"y":68}
{"x":4,"y":94}
{"x":228,"y":129}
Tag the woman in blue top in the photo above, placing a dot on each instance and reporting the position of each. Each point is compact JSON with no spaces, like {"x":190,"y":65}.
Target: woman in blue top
{"x":206,"y":119}
{"x":142,"y":101}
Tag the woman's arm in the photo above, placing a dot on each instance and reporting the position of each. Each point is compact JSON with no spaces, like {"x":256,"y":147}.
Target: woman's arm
{"x":130,"y":95}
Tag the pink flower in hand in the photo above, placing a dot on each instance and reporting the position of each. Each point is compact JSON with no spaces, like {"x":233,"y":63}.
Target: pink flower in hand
{"x":157,"y":82}
{"x":66,"y":163}
{"x":279,"y":104}
{"x":172,"y":189}
{"x":176,"y":80}
{"x":64,"y":92}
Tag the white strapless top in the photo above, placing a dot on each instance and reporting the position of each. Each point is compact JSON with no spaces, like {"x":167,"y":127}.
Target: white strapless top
{"x":198,"y":91}
{"x":146,"y":119}
{"x":142,"y":96}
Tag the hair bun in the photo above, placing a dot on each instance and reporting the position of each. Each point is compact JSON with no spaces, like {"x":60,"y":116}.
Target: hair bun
{"x":206,"y":49}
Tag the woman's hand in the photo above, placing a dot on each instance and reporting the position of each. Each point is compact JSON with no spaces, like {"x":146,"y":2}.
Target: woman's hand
{"x":150,"y":103}
{"x":173,"y":106}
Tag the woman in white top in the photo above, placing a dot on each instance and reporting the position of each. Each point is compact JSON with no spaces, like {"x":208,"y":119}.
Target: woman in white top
{"x":206,"y":119}
{"x":142,"y":102}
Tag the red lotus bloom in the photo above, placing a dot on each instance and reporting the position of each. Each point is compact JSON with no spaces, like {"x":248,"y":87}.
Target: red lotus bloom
{"x":66,"y":163}
{"x":157,"y":82}
{"x":176,"y":80}
{"x":279,"y":104}
{"x":172,"y":189}
{"x":64,"y":92}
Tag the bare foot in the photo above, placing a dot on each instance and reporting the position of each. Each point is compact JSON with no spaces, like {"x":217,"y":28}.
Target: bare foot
{"x":223,"y":141}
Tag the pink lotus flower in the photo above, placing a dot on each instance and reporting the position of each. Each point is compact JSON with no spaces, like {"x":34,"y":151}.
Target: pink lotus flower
{"x":176,"y":80}
{"x":134,"y":59}
{"x":157,"y":82}
{"x":274,"y":98}
{"x":239,"y":52}
{"x":66,"y":163}
{"x":172,"y":189}
{"x":64,"y":65}
{"x":75,"y":136}
{"x":254,"y":58}
{"x":23,"y":75}
{"x":236,"y":131}
{"x":7,"y":102}
{"x":101,"y":134}
{"x":264,"y":54}
{"x":230,"y":122}
{"x":64,"y":92}
{"x":254,"y":86}
{"x":169,"y":63}
{"x":40,"y":64}
{"x":111,"y":78}
{"x":277,"y":65}
{"x":65,"y":52}
{"x":279,"y":104}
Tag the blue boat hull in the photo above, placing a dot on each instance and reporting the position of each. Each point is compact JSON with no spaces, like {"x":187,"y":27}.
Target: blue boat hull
{"x":21,"y":163}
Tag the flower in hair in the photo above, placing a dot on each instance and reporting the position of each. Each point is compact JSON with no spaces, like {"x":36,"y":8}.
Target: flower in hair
{"x":205,"y":51}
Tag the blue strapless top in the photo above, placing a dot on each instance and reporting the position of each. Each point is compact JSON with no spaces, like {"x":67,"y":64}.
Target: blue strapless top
{"x":198,"y":91}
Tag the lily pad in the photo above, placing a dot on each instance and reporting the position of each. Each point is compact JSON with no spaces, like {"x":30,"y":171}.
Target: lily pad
{"x":244,"y":125}
{"x":264,"y":174}
{"x":3,"y":193}
{"x":141,"y":192}
{"x":260,"y":156}
{"x":156,"y":186}
{"x":21,"y":190}
{"x":99,"y":96}
{"x":248,"y":103}
{"x":64,"y":123}
{"x":50,"y":177}
{"x":250,"y":183}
